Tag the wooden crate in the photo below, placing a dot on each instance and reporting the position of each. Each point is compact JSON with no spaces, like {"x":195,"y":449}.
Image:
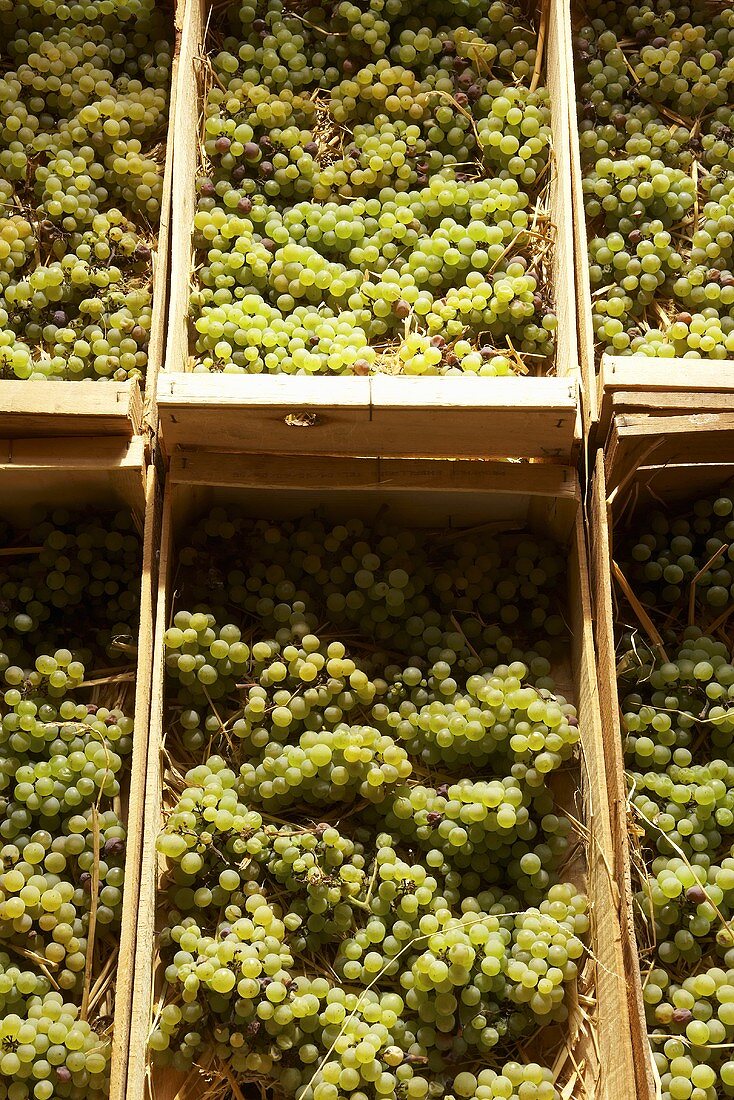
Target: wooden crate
{"x":102,"y":474}
{"x":457,"y":494}
{"x":627,"y":383}
{"x":37,"y":410}
{"x":647,"y":464}
{"x":380,"y":415}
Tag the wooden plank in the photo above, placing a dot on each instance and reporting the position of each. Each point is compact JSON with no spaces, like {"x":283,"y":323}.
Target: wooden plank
{"x":76,"y":472}
{"x":371,"y":474}
{"x":185,"y":163}
{"x":582,"y":285}
{"x":145,"y":946}
{"x":136,"y":800}
{"x":616,"y":1065}
{"x":640,"y":440}
{"x":513,"y":417}
{"x":162,"y":254}
{"x":644,"y":374}
{"x":530,"y":417}
{"x":658,"y":403}
{"x":29,"y":409}
{"x":626,"y":372}
{"x":560,"y":197}
{"x":611,"y":740}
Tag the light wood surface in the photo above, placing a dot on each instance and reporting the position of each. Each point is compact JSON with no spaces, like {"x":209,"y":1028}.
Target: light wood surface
{"x":584,"y":325}
{"x":209,"y":469}
{"x":670,"y":385}
{"x":122,"y":1036}
{"x":649,"y":462}
{"x":76,"y":472}
{"x":37,"y":409}
{"x":561,"y":200}
{"x":639,"y":440}
{"x":509,"y":417}
{"x":162,"y":254}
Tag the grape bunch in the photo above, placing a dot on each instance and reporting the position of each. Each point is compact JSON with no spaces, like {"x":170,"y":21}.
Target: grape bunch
{"x":48,"y":1051}
{"x":85,"y":91}
{"x":66,"y":737}
{"x":655,"y":92}
{"x":372,"y":192}
{"x":676,"y":693}
{"x":398,"y":587}
{"x":365,"y":858}
{"x":63,"y":565}
{"x":693,"y":546}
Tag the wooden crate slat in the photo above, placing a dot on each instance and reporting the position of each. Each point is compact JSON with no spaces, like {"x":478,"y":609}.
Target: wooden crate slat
{"x":676,"y":384}
{"x":209,"y":468}
{"x":668,"y":403}
{"x":142,"y":985}
{"x":122,"y":1037}
{"x":513,"y":417}
{"x":628,"y":481}
{"x":29,"y":409}
{"x":162,"y":253}
{"x":614,"y":1032}
{"x":560,"y":200}
{"x":582,"y":283}
{"x":77,"y":471}
{"x":601,"y":576}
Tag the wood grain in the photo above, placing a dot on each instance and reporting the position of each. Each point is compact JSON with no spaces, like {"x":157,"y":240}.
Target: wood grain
{"x":666,"y":384}
{"x":640,"y":440}
{"x":162,"y":254}
{"x":378,"y":416}
{"x":145,"y":947}
{"x":584,"y":324}
{"x":601,"y":557}
{"x":561,"y":200}
{"x":370,"y":475}
{"x":72,"y":473}
{"x":131,"y":908}
{"x":42,"y":409}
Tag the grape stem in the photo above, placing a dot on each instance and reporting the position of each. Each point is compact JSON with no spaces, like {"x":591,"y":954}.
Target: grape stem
{"x":92,"y":915}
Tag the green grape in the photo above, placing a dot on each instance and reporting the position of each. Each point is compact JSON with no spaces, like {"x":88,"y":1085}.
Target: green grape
{"x":368,"y":190}
{"x":85,"y":95}
{"x":654,"y":88}
{"x":367,"y":786}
